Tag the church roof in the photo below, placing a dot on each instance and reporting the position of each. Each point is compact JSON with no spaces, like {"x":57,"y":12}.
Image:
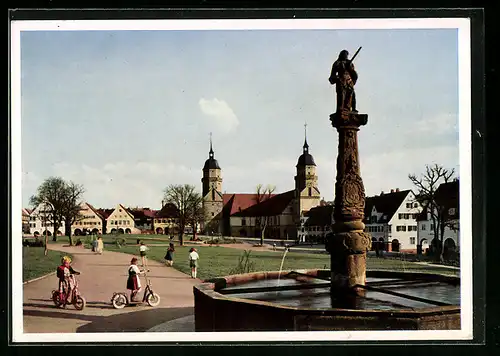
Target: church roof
{"x":234,"y":203}
{"x":275,"y":205}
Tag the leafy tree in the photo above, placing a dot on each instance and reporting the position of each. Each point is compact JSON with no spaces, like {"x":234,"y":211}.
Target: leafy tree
{"x":187,"y":202}
{"x":263,"y":194}
{"x":50,"y":196}
{"x":427,"y":185}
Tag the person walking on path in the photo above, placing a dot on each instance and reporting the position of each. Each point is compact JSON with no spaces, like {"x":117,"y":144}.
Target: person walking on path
{"x":193,"y":261}
{"x":100,"y":245}
{"x":142,"y":251}
{"x":169,"y":257}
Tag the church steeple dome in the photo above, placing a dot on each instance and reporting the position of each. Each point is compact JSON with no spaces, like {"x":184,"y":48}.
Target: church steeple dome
{"x":305,"y":159}
{"x":211,"y":162}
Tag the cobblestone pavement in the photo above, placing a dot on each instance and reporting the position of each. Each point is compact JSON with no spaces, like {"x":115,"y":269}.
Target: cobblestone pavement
{"x":101,"y":275}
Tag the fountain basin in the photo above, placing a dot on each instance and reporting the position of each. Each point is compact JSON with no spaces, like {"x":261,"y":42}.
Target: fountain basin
{"x":232,"y":303}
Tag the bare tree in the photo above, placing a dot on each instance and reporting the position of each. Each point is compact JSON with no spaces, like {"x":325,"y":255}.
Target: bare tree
{"x":427,"y":185}
{"x":71,"y":208}
{"x":187,"y":202}
{"x":197,"y":216}
{"x":263,"y":194}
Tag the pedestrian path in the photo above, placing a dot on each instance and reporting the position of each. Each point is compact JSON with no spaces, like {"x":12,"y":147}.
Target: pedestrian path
{"x":101,"y":275}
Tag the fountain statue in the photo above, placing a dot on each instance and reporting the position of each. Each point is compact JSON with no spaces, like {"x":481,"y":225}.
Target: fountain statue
{"x":348,"y":243}
{"x":346,"y":297}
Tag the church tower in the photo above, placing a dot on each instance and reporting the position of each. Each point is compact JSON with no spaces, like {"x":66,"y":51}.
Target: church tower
{"x":212,"y":194}
{"x":306,"y":180}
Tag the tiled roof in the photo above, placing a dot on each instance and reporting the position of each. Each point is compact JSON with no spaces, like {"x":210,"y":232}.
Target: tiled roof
{"x":105,"y":213}
{"x":168,"y":211}
{"x":270,"y":207}
{"x":234,"y":203}
{"x":387,"y":204}
{"x":319,"y":216}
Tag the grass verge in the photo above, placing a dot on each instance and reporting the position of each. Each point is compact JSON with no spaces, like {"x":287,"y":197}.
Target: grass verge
{"x":217,"y":261}
{"x":36,"y":264}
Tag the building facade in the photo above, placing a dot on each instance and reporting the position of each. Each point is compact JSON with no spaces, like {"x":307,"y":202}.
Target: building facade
{"x":89,"y":222}
{"x":391,"y":219}
{"x":121,"y":220}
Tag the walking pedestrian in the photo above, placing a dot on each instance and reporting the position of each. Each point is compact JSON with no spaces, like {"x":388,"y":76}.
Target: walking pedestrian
{"x":169,"y":257}
{"x":193,"y":261}
{"x":100,"y":245}
{"x":142,"y":251}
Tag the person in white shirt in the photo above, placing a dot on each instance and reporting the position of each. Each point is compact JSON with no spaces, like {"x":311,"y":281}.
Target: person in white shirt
{"x":193,"y":261}
{"x":142,"y":250}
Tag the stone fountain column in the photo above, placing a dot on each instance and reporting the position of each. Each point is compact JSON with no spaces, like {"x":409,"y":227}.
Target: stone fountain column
{"x":348,"y":243}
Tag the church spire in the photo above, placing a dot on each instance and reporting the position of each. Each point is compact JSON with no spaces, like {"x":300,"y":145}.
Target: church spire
{"x":211,"y":152}
{"x":306,"y":146}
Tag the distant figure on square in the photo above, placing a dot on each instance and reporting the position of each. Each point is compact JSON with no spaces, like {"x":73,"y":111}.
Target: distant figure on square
{"x":100,"y":245}
{"x":169,"y":257}
{"x":142,"y":251}
{"x":193,"y":261}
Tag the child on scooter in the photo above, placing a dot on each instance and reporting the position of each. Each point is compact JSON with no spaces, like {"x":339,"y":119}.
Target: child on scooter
{"x":66,"y":282}
{"x":133,"y":281}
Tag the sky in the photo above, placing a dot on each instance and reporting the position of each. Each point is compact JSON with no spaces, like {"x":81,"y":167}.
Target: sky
{"x":126,"y":113}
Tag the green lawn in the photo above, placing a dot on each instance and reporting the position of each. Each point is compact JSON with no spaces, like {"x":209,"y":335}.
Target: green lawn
{"x":36,"y":264}
{"x":219,"y":261}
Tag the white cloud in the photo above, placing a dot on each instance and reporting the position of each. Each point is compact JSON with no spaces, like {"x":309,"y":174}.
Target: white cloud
{"x":220,"y":114}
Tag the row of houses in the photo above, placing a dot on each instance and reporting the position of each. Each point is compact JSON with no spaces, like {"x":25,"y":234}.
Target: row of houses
{"x":395,"y":221}
{"x":121,"y":219}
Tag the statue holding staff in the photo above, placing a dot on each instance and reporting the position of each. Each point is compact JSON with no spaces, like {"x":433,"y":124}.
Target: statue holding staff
{"x":344,"y":76}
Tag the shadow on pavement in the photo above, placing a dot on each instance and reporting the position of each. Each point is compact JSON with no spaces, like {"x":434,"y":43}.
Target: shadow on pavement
{"x":141,"y":320}
{"x":134,"y":321}
{"x":99,"y":305}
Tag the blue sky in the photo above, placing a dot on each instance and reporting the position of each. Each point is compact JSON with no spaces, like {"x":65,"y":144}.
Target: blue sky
{"x":126,"y":113}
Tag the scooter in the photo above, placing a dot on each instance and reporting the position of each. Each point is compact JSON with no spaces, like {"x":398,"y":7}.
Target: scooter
{"x":75,"y":298}
{"x":120,"y":299}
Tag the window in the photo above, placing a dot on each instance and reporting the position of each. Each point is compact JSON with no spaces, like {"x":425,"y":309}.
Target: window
{"x":412,"y":241}
{"x":400,"y":216}
{"x":415,"y":205}
{"x":310,"y":191}
{"x":432,"y":226}
{"x":213,"y":214}
{"x":403,"y":228}
{"x":400,"y":228}
{"x":412,"y":228}
{"x":389,"y":228}
{"x":243,"y":221}
{"x":409,"y":205}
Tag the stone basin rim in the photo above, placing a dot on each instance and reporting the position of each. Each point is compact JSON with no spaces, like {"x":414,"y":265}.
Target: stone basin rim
{"x":212,"y":286}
